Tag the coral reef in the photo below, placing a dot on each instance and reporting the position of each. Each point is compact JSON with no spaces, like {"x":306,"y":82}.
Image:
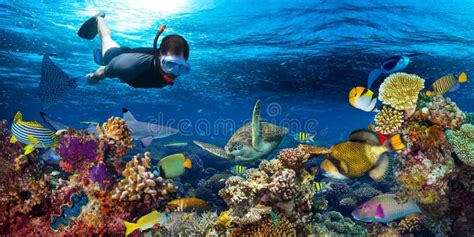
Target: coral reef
{"x":400,"y":90}
{"x":266,"y":227}
{"x":388,"y":120}
{"x":293,"y":158}
{"x":462,"y":141}
{"x":271,"y":187}
{"x":139,"y":181}
{"x":441,"y":111}
{"x":117,"y":135}
{"x":334,"y":224}
{"x":410,"y":224}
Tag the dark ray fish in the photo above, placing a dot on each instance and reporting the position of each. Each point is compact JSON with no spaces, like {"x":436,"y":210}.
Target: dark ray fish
{"x":54,"y":83}
{"x":53,"y":123}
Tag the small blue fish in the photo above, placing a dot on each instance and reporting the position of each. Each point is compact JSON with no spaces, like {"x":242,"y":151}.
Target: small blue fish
{"x":50,"y":157}
{"x":32,"y":134}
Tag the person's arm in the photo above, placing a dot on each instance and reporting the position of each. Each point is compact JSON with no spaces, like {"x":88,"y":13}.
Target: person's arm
{"x":99,"y":74}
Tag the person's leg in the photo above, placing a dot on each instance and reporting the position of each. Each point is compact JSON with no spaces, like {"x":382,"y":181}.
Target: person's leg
{"x":105,"y":36}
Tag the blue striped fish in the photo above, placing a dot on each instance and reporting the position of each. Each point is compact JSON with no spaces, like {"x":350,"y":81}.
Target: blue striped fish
{"x":32,"y":134}
{"x":448,"y":83}
{"x":302,"y":137}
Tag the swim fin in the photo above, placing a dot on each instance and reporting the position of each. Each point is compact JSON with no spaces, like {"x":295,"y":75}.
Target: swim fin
{"x":374,"y":74}
{"x":98,"y":57}
{"x":89,"y":28}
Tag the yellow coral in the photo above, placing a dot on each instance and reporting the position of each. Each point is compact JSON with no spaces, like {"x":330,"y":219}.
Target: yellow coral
{"x":117,"y":132}
{"x":138,"y":181}
{"x":400,"y":90}
{"x":410,"y":224}
{"x":388,"y":120}
{"x":266,"y":227}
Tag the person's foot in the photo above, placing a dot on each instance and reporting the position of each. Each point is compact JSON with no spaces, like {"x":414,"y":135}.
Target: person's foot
{"x":100,"y":14}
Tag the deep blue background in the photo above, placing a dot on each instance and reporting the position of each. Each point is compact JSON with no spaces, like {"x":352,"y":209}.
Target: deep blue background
{"x":299,"y":57}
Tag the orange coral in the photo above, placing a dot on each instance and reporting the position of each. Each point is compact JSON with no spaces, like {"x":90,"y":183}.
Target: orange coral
{"x":116,"y":132}
{"x":293,"y":158}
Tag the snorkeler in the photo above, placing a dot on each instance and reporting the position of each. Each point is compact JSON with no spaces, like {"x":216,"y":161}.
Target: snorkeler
{"x":138,"y":67}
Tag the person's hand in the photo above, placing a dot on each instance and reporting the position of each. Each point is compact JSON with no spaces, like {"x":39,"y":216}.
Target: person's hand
{"x":91,"y":79}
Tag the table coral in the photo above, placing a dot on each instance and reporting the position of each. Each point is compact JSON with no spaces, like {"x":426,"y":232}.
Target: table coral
{"x":388,"y":120}
{"x":400,"y":90}
{"x":463,"y":143}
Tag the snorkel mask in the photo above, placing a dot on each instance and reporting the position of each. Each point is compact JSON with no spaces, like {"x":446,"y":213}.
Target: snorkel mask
{"x":170,"y":64}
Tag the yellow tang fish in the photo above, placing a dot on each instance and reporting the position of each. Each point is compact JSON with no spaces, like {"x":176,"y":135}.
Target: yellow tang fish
{"x":225,"y":219}
{"x":189,"y":204}
{"x":446,"y":84}
{"x":237,"y":169}
{"x":361,"y":154}
{"x":146,"y":222}
{"x":303,"y":137}
{"x":33,"y":134}
{"x":173,"y":166}
{"x":362,"y":98}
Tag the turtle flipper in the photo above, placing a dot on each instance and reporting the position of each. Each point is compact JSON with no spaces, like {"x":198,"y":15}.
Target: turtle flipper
{"x":256,"y":126}
{"x":314,"y":150}
{"x":212,"y":149}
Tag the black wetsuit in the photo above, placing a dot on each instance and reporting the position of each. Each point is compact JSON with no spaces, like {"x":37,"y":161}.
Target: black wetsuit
{"x":134,"y":67}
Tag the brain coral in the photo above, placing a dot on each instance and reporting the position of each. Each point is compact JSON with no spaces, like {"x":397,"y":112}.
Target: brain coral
{"x":400,"y":90}
{"x":463,"y":143}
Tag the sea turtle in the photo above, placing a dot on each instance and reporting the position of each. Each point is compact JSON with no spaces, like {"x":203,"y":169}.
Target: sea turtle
{"x":252,"y":141}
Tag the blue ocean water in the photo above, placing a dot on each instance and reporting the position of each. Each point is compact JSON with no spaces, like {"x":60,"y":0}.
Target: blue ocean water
{"x":300,"y":58}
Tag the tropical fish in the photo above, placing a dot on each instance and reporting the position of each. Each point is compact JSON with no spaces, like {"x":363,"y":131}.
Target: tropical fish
{"x":90,"y":122}
{"x":50,"y":157}
{"x":362,"y":153}
{"x":274,"y":216}
{"x":176,"y":144}
{"x":318,"y":186}
{"x":224,"y":219}
{"x":446,"y":84}
{"x":237,"y":169}
{"x":384,"y":208}
{"x":303,"y":137}
{"x":390,"y":65}
{"x":146,"y":222}
{"x":362,"y":98}
{"x":32,"y":134}
{"x":173,"y":166}
{"x":54,"y":84}
{"x":189,"y":204}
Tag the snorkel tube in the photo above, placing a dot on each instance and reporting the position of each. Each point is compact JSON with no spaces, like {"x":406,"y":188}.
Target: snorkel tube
{"x":168,"y":79}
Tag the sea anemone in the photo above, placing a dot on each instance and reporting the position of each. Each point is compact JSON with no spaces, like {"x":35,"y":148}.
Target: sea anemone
{"x":400,"y":90}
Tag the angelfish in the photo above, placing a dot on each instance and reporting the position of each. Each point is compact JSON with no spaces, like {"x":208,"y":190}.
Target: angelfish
{"x":448,"y":83}
{"x":33,"y":134}
{"x":384,"y":208}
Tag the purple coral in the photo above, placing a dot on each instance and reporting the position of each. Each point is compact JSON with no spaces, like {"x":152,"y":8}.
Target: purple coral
{"x":73,"y":149}
{"x":99,"y":174}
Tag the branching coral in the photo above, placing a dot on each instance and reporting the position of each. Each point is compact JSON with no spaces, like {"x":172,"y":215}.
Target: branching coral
{"x":117,"y":134}
{"x":266,"y":227}
{"x":463,"y":143}
{"x":293,"y":158}
{"x":388,"y":120}
{"x":139,"y":181}
{"x":400,"y":90}
{"x":284,"y":185}
{"x":410,"y":224}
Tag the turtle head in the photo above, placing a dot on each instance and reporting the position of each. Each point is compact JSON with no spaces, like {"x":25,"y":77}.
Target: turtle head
{"x":234,"y":148}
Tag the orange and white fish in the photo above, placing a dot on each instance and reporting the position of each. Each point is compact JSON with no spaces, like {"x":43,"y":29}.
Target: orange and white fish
{"x":362,"y":98}
{"x":448,"y":83}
